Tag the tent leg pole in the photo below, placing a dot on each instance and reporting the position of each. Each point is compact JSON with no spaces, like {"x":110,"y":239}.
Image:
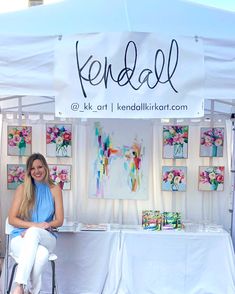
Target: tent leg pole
{"x":233,"y":181}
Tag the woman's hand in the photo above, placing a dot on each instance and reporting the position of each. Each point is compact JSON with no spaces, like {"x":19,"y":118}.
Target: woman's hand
{"x":43,"y":225}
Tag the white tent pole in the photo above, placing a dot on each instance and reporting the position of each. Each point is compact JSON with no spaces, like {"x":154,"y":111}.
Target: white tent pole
{"x":233,"y":179}
{"x":20,"y":119}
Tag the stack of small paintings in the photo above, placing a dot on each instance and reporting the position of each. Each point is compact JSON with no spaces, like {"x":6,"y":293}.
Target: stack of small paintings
{"x":154,"y":220}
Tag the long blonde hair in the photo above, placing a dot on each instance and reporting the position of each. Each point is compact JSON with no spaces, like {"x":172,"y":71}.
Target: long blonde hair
{"x":28,"y":200}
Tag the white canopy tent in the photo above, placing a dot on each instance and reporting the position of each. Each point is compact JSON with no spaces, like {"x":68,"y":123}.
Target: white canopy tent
{"x":27,"y":38}
{"x":27,"y":42}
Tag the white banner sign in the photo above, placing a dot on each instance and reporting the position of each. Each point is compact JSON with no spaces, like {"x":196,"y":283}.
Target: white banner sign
{"x":128,"y":75}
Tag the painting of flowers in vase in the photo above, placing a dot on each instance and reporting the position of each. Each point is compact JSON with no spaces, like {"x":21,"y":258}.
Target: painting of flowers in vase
{"x":61,"y":175}
{"x":15,"y":175}
{"x":59,"y":140}
{"x":212,"y":142}
{"x":211,"y":178}
{"x":174,"y":178}
{"x":19,"y":140}
{"x":175,"y":142}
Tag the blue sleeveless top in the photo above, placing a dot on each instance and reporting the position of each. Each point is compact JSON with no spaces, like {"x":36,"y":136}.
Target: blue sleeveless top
{"x":44,"y":208}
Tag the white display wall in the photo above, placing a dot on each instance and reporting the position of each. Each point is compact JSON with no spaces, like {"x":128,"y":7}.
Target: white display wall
{"x":195,"y":205}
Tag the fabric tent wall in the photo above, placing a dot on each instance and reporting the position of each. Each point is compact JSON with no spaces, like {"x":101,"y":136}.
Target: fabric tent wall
{"x":27,"y":51}
{"x":194,"y":205}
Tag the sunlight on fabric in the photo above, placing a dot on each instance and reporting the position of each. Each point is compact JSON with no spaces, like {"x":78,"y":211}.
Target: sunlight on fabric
{"x":225,"y":4}
{"x":13,"y":5}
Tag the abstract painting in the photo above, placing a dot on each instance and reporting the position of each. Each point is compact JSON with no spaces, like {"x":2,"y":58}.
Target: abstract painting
{"x":119,"y":159}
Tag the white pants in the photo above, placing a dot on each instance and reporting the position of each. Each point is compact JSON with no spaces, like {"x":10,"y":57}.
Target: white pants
{"x":33,"y":251}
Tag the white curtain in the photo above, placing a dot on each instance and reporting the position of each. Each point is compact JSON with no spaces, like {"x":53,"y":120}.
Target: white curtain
{"x":194,"y":205}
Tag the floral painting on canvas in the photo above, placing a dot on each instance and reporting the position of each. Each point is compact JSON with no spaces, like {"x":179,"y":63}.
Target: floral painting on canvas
{"x":61,"y":175}
{"x":211,"y":178}
{"x":19,"y":140}
{"x":15,"y":175}
{"x":58,"y":140}
{"x":175,"y":142}
{"x":174,"y":178}
{"x":212,"y":142}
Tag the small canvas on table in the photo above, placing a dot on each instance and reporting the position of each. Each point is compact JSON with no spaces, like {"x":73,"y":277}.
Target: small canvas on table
{"x":151,"y":220}
{"x":171,"y":220}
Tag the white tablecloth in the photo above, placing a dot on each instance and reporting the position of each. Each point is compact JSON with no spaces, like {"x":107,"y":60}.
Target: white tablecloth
{"x":177,"y":263}
{"x":140,"y":262}
{"x":88,"y":262}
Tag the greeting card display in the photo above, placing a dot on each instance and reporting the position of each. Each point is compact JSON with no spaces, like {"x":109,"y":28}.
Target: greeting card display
{"x":19,"y":140}
{"x":58,"y":140}
{"x":171,"y":220}
{"x":211,"y":178}
{"x":151,"y":220}
{"x":61,"y":175}
{"x":175,"y":142}
{"x":212,"y":141}
{"x":174,"y":178}
{"x":15,"y":175}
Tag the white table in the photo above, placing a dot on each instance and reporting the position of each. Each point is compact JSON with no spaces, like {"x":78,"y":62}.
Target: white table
{"x":140,"y":262}
{"x":177,"y":263}
{"x":88,"y":262}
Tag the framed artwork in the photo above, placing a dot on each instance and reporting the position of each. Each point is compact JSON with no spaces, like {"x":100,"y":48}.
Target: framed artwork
{"x":212,"y":142}
{"x":175,"y":142}
{"x":211,"y":178}
{"x":174,"y":178}
{"x":119,"y":154}
{"x":15,"y":175}
{"x":61,"y":175}
{"x":59,"y":140}
{"x":19,"y":140}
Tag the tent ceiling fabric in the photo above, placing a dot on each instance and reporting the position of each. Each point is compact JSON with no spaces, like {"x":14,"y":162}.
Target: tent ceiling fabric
{"x":28,"y":38}
{"x":85,"y":16}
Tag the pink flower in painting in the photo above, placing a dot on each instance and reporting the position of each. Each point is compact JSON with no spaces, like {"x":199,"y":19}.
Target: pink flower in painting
{"x":220,"y":178}
{"x":67,"y":136}
{"x":10,"y":178}
{"x":218,"y":142}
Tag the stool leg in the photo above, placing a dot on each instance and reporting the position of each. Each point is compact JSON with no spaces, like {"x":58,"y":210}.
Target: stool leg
{"x":53,"y":276}
{"x":11,"y":279}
